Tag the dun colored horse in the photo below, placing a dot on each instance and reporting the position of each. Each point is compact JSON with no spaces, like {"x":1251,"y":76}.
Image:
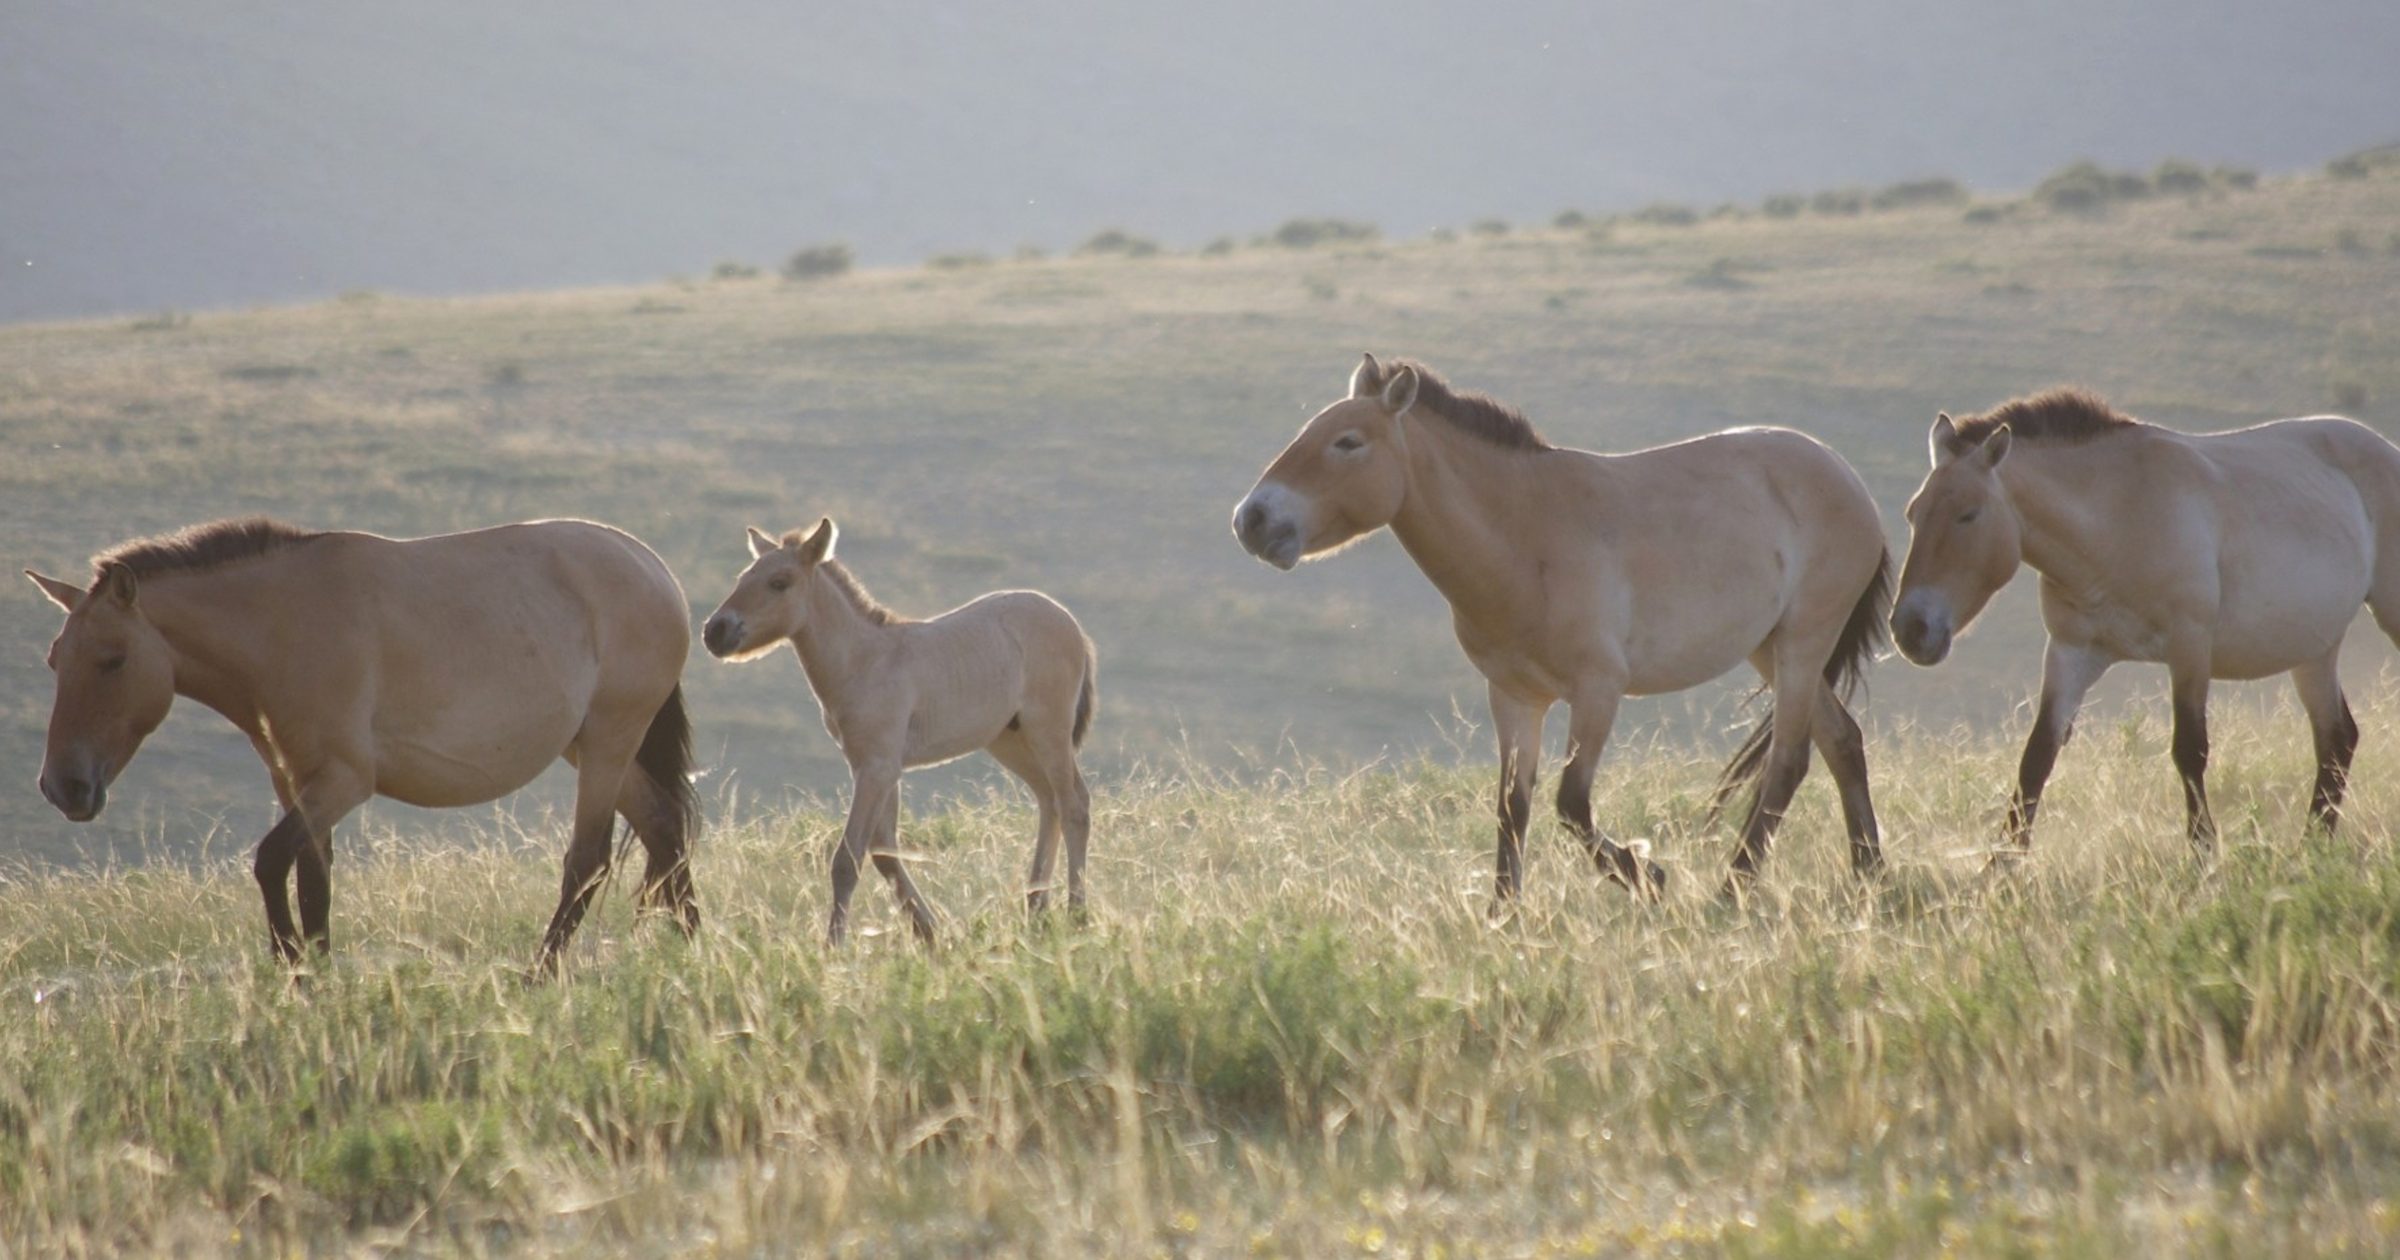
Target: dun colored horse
{"x":436,"y":671}
{"x":1585,"y":578}
{"x":2223,"y":555}
{"x":1010,"y":673}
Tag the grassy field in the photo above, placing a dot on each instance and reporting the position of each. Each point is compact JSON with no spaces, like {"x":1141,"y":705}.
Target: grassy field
{"x":1287,"y":1028}
{"x":1085,"y":425}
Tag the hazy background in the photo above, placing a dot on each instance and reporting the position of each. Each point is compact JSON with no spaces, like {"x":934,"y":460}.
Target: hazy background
{"x":255,"y":220}
{"x":171,"y":154}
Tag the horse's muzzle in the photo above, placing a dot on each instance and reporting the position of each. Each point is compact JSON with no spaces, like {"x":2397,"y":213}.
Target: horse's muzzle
{"x":1276,"y":542}
{"x":1919,"y":637}
{"x":79,"y":799}
{"x":722,"y":635}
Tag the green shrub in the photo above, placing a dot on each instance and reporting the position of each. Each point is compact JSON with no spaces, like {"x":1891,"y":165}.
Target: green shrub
{"x":1939,"y":191}
{"x":1784,"y":206}
{"x":1116,"y":243}
{"x":818,"y":262}
{"x":1310,"y":233}
{"x":732,"y":270}
{"x":1667,"y":214}
{"x":1839,"y":201}
{"x":959,"y":261}
{"x":2178,"y":176}
{"x":2085,"y":187}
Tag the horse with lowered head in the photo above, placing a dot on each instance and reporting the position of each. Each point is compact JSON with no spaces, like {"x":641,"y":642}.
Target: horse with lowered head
{"x":435,"y":671}
{"x":1586,"y":578}
{"x":2232,"y":555}
{"x":1010,"y":673}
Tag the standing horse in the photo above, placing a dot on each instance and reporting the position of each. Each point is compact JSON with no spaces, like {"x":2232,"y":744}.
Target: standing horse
{"x":1010,"y":673}
{"x":2222,"y":555}
{"x":435,"y":671}
{"x":1586,"y":578}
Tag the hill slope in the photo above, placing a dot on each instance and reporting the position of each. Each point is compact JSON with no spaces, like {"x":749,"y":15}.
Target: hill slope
{"x":1085,"y":426}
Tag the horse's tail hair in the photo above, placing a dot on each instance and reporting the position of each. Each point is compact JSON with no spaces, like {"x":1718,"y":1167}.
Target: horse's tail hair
{"x":666,"y":757}
{"x":1862,"y":637}
{"x":1087,"y":701}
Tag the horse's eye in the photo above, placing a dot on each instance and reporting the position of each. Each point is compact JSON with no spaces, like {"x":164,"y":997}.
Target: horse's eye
{"x":1968,"y":517}
{"x":1348,"y":442}
{"x":779,"y":584}
{"x":111,"y":664}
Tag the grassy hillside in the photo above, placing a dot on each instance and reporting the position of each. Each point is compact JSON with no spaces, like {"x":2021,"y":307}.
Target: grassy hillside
{"x":1287,"y":1029}
{"x":1085,"y":425}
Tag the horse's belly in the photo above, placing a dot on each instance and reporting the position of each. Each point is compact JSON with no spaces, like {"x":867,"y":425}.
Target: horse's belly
{"x":468,"y":768}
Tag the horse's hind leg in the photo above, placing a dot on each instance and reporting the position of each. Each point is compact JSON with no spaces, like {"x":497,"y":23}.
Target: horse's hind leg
{"x":1844,"y":748}
{"x":1014,"y":752}
{"x":1794,"y":685}
{"x":600,"y":774}
{"x":2188,"y":684}
{"x":873,"y":829}
{"x":2335,"y":732}
{"x":667,"y":872}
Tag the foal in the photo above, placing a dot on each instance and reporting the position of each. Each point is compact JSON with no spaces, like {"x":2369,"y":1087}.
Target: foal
{"x":1010,"y":673}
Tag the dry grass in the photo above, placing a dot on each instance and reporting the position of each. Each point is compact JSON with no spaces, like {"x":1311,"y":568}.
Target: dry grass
{"x":1288,"y":1029}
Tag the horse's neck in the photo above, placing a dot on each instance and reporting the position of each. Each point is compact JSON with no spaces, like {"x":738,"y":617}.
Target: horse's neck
{"x":211,"y":622}
{"x":2061,"y":503}
{"x":1459,"y":518}
{"x":839,"y":637}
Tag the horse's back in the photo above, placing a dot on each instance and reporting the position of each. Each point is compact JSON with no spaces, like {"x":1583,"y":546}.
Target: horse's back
{"x":484,"y":653}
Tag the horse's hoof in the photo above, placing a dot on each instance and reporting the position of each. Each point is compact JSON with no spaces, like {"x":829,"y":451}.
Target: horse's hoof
{"x":1654,"y":881}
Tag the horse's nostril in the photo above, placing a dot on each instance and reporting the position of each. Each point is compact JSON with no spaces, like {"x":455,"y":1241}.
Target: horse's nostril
{"x":1248,"y":522}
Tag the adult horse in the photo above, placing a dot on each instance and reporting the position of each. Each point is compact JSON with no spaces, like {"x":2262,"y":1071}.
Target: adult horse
{"x":1586,"y":578}
{"x":1010,"y":673}
{"x":435,"y":671}
{"x":2222,"y":555}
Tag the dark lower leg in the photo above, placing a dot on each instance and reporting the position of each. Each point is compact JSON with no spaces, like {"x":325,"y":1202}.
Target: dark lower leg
{"x":1775,"y":791}
{"x":2335,"y":746}
{"x":1844,"y":748}
{"x":316,"y":891}
{"x":587,"y":863}
{"x":1613,"y":860}
{"x":1516,"y":810}
{"x":2191,"y":764}
{"x":273,"y":867}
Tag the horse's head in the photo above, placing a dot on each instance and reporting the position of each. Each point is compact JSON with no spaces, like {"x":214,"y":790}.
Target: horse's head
{"x":769,"y":602}
{"x":1341,"y":479}
{"x":116,"y":680}
{"x":1963,"y":543}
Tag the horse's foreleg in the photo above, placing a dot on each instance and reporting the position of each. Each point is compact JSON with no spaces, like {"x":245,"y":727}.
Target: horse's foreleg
{"x":2335,"y":733}
{"x":1590,"y":717}
{"x":2190,"y":689}
{"x":2068,"y":674}
{"x":888,"y":863}
{"x":1844,"y":748}
{"x":322,"y":799}
{"x":1518,"y":724}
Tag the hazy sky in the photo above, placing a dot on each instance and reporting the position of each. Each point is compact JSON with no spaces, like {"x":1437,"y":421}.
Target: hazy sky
{"x":184,"y":153}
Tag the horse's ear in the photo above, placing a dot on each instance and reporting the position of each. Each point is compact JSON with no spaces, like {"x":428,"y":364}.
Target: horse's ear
{"x":760,"y":544}
{"x":116,"y":585}
{"x":1995,"y":447}
{"x":819,"y":545}
{"x":61,"y":594}
{"x":1400,"y":392}
{"x":1367,"y":378}
{"x":1943,"y":440}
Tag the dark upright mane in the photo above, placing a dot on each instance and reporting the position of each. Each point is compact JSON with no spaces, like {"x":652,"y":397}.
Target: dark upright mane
{"x":2067,"y":414}
{"x":849,"y":585}
{"x":1479,"y":415}
{"x":206,"y":546}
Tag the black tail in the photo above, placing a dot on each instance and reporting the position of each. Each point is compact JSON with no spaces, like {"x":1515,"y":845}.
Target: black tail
{"x":1087,"y":701}
{"x":666,"y":756}
{"x":1862,"y":637}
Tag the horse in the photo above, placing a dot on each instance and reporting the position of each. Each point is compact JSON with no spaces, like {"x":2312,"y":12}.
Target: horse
{"x":2234,"y":555}
{"x":1010,"y":673}
{"x":437,"y":671}
{"x":1585,"y":577}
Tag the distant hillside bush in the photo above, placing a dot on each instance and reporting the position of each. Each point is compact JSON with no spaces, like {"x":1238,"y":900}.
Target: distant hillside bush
{"x":1940,"y":191}
{"x":2085,"y":187}
{"x":1667,"y":214}
{"x":818,"y":262}
{"x":1310,"y":233}
{"x":1118,"y":244}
